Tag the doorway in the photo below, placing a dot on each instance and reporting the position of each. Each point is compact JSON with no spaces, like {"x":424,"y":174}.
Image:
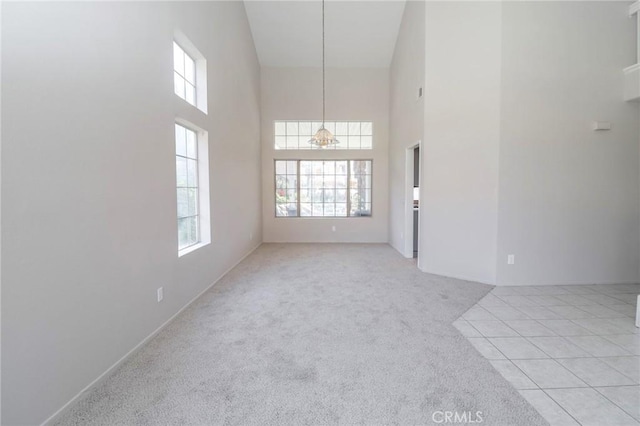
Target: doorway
{"x":416,"y":199}
{"x":412,"y":201}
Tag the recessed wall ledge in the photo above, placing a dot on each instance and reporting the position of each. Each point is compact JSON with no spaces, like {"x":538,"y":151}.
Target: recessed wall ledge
{"x":632,"y":83}
{"x":632,"y":73}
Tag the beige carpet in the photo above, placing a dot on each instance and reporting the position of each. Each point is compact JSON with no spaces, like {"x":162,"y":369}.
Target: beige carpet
{"x":304,"y":334}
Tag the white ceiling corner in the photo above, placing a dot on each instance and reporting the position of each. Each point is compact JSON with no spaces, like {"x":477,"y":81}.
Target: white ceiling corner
{"x":359,"y":34}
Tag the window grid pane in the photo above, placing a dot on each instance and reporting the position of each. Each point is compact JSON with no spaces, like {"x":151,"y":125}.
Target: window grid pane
{"x":184,"y":75}
{"x":360,"y":188}
{"x":315,"y":188}
{"x":286,"y":188}
{"x":188,"y":203}
{"x":295,"y":135}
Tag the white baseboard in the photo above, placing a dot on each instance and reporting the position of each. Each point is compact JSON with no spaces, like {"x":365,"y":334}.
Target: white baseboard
{"x":401,"y":251}
{"x":565,"y":283}
{"x":457,"y":277}
{"x":84,"y":392}
{"x":521,"y":284}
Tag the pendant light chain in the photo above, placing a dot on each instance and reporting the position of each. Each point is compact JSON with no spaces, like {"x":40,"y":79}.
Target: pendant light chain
{"x":323,"y":137}
{"x":323,"y":84}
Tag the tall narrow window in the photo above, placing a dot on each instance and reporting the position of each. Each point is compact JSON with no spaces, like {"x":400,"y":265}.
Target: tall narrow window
{"x":360,"y":188}
{"x":184,"y":74}
{"x":286,"y":188}
{"x":187,"y":187}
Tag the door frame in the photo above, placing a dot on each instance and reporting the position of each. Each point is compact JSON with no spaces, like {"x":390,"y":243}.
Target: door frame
{"x":408,"y":199}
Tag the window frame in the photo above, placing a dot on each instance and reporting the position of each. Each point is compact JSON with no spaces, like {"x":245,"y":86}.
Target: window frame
{"x":203,"y":215}
{"x":200,"y":71}
{"x":298,"y":210}
{"x":314,"y":125}
{"x":183,"y":77}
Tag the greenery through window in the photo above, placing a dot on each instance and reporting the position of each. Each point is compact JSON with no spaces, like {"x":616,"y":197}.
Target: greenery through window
{"x":316,"y":188}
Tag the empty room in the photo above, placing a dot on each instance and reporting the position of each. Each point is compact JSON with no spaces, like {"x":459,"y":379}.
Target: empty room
{"x":320,"y":212}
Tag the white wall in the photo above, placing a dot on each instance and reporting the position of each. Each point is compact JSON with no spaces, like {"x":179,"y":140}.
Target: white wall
{"x":1,"y":8}
{"x":510,"y":162}
{"x":351,"y":94}
{"x":406,"y":112}
{"x":88,"y":175}
{"x":458,"y":206}
{"x":569,"y":207}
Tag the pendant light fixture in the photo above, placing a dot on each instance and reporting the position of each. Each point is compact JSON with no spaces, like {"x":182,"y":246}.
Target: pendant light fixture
{"x":323,"y":138}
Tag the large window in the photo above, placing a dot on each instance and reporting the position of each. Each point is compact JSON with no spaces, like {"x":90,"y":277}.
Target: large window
{"x":184,"y":74}
{"x":296,"y":134}
{"x":311,"y":188}
{"x":192,"y":188}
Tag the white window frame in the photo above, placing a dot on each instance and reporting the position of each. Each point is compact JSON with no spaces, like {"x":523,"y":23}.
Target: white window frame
{"x":298,"y":189}
{"x":184,"y":76}
{"x":203,"y":201}
{"x":200,"y":83}
{"x":295,"y":134}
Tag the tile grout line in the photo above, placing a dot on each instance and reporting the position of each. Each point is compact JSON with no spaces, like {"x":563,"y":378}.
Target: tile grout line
{"x":555,"y":334}
{"x":478,"y":331}
{"x":561,"y":407}
{"x":617,"y":386}
{"x":637,"y":381}
{"x":614,"y":403}
{"x":493,"y":346}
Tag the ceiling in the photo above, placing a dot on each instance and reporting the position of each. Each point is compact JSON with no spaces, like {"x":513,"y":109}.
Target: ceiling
{"x":357,"y":33}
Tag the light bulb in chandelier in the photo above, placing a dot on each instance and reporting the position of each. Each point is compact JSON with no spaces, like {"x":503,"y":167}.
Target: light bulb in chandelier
{"x":323,"y":138}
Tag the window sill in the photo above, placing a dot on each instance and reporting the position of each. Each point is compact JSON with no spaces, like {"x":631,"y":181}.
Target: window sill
{"x":191,"y":248}
{"x":324,"y":217}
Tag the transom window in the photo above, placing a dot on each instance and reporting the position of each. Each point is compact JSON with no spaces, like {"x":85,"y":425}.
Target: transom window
{"x":187,"y":187}
{"x":184,"y":74}
{"x":312,"y":188}
{"x":296,"y":134}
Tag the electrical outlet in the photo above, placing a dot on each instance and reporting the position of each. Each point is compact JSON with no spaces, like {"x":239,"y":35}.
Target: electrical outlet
{"x":160,"y":294}
{"x":250,"y":236}
{"x":333,"y":228}
{"x":511,"y":259}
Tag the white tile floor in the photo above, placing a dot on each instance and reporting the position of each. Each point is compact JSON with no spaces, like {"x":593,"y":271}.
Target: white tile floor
{"x":572,"y":351}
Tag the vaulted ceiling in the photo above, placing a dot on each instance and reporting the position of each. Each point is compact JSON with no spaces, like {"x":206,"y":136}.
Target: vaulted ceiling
{"x":358,"y":33}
